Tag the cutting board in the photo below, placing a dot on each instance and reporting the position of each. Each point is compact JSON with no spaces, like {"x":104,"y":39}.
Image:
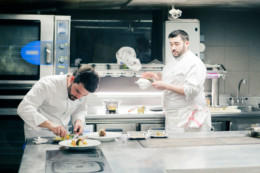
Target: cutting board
{"x":187,"y":142}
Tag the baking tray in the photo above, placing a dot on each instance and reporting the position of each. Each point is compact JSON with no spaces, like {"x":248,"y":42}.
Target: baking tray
{"x":137,"y":135}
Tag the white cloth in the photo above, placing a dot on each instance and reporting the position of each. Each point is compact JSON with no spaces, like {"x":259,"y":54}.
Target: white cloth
{"x":48,"y":100}
{"x":187,"y":71}
{"x":127,"y":56}
{"x":144,"y":83}
{"x":40,"y":140}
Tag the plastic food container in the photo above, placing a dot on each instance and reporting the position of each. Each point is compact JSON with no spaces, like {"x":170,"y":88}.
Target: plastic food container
{"x":111,"y":106}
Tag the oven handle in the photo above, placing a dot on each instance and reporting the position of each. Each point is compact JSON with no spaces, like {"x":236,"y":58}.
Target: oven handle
{"x":48,"y":53}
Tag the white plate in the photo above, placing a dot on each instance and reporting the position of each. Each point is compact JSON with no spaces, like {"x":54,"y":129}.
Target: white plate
{"x":110,"y":136}
{"x":90,"y":143}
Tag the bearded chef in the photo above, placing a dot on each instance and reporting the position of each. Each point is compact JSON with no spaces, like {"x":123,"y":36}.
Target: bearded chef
{"x":56,"y":100}
{"x":182,"y":81}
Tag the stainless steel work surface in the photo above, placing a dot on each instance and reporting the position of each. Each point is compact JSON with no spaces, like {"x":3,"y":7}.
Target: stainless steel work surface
{"x":89,"y":160}
{"x":218,"y":170}
{"x":130,"y":157}
{"x":187,"y":142}
{"x":201,"y":139}
{"x":34,"y":157}
{"x":159,"y":160}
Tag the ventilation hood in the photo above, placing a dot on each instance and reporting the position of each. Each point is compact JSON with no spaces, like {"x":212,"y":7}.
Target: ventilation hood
{"x":13,"y":5}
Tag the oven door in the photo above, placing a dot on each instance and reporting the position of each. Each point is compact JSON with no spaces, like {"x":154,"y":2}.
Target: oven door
{"x":31,"y":47}
{"x":26,"y":47}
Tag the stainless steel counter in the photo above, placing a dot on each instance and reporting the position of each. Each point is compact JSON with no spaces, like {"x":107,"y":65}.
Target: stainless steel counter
{"x":132,"y":157}
{"x":160,"y":115}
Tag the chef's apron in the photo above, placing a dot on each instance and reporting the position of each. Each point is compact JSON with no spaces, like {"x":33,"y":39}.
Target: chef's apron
{"x":189,"y":119}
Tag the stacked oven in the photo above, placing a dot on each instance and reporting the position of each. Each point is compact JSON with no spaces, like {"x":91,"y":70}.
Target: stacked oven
{"x":31,"y":47}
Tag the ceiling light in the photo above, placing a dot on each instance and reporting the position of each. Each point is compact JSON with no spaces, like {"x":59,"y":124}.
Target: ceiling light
{"x":175,"y":13}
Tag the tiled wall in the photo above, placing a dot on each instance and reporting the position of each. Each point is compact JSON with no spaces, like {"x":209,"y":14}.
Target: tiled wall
{"x":232,"y":38}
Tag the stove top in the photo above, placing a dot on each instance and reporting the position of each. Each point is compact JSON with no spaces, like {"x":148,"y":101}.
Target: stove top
{"x":76,"y":161}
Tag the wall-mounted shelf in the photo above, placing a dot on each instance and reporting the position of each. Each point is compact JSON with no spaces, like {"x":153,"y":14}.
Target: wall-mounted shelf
{"x":117,"y":70}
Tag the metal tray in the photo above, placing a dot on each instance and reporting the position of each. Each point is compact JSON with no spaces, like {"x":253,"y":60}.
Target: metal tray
{"x":157,"y":134}
{"x":137,"y":135}
{"x":254,"y":132}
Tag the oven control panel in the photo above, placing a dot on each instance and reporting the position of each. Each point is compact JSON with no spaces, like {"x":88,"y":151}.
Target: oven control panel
{"x":62,"y":44}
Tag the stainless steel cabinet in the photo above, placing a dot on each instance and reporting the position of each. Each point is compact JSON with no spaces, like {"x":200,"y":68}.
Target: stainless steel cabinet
{"x":242,"y":123}
{"x":217,"y":126}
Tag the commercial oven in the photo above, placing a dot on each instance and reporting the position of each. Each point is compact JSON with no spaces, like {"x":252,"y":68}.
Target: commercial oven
{"x":33,"y":46}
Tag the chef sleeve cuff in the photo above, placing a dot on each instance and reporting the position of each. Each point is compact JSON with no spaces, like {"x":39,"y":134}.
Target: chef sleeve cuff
{"x":190,"y":91}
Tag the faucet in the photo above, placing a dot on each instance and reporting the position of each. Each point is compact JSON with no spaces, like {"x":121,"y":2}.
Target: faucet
{"x":238,"y":91}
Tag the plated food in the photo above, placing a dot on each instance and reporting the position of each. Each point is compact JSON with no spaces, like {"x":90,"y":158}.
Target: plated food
{"x":58,"y":138}
{"x":110,"y":136}
{"x":79,"y":142}
{"x":102,"y":132}
{"x":86,"y":143}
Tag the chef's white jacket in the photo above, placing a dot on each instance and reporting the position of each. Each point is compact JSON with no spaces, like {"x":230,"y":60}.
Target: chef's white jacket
{"x":190,"y":72}
{"x":48,"y":100}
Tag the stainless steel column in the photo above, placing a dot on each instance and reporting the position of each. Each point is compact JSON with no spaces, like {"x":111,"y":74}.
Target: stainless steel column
{"x":215,"y":92}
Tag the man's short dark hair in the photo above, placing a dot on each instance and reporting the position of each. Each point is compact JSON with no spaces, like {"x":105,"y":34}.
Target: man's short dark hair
{"x":88,"y":77}
{"x":183,"y":34}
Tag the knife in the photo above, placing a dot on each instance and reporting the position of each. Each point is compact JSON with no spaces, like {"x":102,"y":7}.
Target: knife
{"x":150,"y":79}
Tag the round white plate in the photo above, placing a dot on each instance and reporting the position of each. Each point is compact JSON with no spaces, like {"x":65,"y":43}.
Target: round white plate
{"x":90,"y":143}
{"x":110,"y":136}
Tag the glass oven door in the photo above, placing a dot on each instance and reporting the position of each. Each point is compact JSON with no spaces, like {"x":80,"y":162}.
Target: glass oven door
{"x":26,"y":47}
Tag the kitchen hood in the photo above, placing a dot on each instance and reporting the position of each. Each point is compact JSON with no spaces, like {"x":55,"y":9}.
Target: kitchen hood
{"x":16,"y":5}
{"x":59,"y":4}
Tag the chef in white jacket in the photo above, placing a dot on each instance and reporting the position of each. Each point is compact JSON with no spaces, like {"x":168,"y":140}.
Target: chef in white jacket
{"x":182,"y":81}
{"x":56,"y":100}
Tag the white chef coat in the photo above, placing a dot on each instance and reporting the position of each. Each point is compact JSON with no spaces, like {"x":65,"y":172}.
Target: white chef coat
{"x":48,"y":100}
{"x":190,"y":72}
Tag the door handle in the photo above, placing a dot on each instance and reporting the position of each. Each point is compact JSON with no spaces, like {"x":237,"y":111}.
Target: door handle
{"x":48,"y":53}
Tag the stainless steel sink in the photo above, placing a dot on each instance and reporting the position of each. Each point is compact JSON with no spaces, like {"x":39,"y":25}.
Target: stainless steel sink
{"x":245,"y":108}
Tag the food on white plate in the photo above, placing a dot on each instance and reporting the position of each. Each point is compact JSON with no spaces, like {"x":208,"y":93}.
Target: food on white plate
{"x":67,"y":137}
{"x":102,"y":132}
{"x":160,"y":134}
{"x":79,"y":142}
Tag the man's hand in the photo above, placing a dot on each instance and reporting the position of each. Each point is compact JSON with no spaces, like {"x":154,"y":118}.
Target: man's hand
{"x":151,"y":75}
{"x":55,"y":128}
{"x":78,"y":127}
{"x":59,"y":130}
{"x":159,"y":85}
